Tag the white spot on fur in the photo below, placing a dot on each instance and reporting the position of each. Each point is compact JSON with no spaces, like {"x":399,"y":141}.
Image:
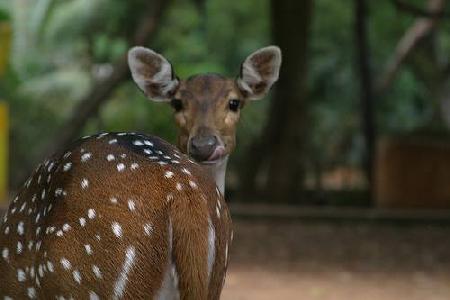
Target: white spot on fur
{"x":91,"y":213}
{"x":102,"y":135}
{"x":131,"y":205}
{"x":148,"y":229}
{"x":23,"y":207}
{"x":193,"y":184}
{"x":84,"y":183}
{"x":19,"y":247}
{"x":93,"y":296}
{"x":85,"y":157}
{"x":59,"y":192}
{"x":120,"y":284}
{"x":211,"y":247}
{"x":88,"y":249}
{"x":66,"y":263}
{"x":21,"y":276}
{"x":38,"y":245}
{"x":217,"y":212}
{"x":20,"y":228}
{"x":50,"y":266}
{"x":117,"y":229}
{"x":50,"y":167}
{"x":66,"y":227}
{"x":5,"y":253}
{"x":97,"y":272}
{"x":76,"y":276}
{"x":31,"y":292}
{"x":169,"y":197}
{"x":120,"y":167}
{"x":41,"y":271}
{"x":110,"y":157}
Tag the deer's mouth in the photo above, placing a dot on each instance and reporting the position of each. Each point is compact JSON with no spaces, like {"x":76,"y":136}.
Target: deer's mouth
{"x":217,"y":155}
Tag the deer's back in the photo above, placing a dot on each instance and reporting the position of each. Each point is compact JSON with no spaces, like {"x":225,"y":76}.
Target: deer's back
{"x":117,"y":215}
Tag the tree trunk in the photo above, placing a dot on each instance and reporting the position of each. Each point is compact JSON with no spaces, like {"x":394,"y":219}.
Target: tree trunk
{"x":286,"y":130}
{"x":366,"y":91}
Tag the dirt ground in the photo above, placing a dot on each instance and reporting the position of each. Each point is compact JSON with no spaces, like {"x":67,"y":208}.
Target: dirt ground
{"x":338,"y":261}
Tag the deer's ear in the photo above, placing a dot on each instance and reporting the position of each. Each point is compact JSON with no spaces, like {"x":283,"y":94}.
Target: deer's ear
{"x":259,"y":71}
{"x":152,"y":73}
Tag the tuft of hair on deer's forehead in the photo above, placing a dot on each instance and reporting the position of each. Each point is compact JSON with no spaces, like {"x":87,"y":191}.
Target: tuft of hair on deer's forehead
{"x":207,"y":87}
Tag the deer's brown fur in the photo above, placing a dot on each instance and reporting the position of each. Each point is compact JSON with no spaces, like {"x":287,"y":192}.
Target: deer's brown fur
{"x":184,"y":199}
{"x":128,"y":216}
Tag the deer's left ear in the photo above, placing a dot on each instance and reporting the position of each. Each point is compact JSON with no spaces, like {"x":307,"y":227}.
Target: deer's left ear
{"x":259,"y":71}
{"x":152,"y":73}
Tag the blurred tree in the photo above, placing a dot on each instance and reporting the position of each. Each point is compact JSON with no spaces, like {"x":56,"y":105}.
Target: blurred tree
{"x":146,"y":26}
{"x":282,"y":145}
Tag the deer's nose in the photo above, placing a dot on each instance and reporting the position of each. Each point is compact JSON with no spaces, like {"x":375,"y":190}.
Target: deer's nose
{"x":202,"y":147}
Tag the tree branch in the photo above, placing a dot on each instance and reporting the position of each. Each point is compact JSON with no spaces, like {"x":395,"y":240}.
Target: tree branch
{"x":101,"y":90}
{"x":421,"y":28}
{"x":418,"y":12}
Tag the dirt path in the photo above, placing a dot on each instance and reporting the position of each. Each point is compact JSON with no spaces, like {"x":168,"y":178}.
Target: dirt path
{"x":279,"y":260}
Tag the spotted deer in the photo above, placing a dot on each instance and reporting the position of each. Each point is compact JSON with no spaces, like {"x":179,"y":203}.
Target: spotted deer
{"x":129,"y":216}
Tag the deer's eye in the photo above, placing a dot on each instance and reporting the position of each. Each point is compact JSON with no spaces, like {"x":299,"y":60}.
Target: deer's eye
{"x":177,"y":104}
{"x":234,"y":104}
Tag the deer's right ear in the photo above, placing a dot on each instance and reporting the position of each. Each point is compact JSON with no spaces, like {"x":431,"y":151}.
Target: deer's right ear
{"x":152,"y":73}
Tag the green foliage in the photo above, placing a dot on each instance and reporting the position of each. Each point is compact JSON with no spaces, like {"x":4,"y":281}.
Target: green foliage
{"x":59,"y":45}
{"x":335,"y":105}
{"x":4,"y":16}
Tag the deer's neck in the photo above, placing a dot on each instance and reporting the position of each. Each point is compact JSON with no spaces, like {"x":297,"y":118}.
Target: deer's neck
{"x":218,"y":172}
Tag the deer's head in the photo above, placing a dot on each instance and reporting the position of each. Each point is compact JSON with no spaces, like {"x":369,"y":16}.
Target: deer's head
{"x":207,"y":106}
